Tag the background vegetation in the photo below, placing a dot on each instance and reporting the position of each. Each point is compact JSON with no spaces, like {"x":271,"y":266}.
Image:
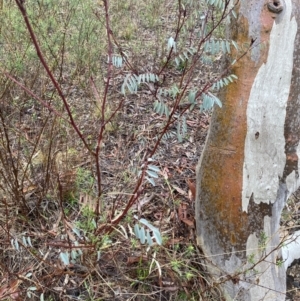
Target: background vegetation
{"x":104,"y":109}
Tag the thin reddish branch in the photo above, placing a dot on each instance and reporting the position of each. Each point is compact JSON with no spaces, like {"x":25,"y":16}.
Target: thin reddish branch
{"x":136,"y":193}
{"x":205,"y":88}
{"x":137,"y":190}
{"x":21,"y":5}
{"x":178,"y":29}
{"x":45,"y":104}
{"x":104,"y":100}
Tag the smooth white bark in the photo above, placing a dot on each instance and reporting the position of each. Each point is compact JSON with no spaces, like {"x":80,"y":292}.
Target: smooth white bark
{"x":266,"y":111}
{"x":291,"y":249}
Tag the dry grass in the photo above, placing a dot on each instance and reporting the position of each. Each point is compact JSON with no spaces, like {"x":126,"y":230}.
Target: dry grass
{"x":48,"y":178}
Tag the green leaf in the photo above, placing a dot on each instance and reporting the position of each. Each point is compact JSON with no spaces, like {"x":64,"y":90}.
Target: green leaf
{"x":152,"y":173}
{"x":29,"y":242}
{"x":162,"y":109}
{"x":167,"y":112}
{"x":65,"y":258}
{"x":136,"y":230}
{"x":94,"y":223}
{"x":235,"y":45}
{"x":184,"y":125}
{"x":154,"y":168}
{"x":16,"y":243}
{"x":212,"y":47}
{"x":74,"y":254}
{"x":117,"y":61}
{"x":144,"y":221}
{"x":228,"y":47}
{"x":186,"y":55}
{"x":192,"y":50}
{"x":142,"y":235}
{"x":218,"y":101}
{"x":217,"y":46}
{"x":77,"y":232}
{"x":123,"y":89}
{"x":150,"y":180}
{"x":171,"y":44}
{"x":220,"y":83}
{"x":32,"y":288}
{"x":192,"y":107}
{"x":156,"y":106}
{"x":158,"y":237}
{"x":234,"y":14}
{"x":156,"y":232}
{"x":224,"y":47}
{"x":206,"y":46}
{"x":192,"y":96}
{"x":149,"y":239}
{"x":179,"y":136}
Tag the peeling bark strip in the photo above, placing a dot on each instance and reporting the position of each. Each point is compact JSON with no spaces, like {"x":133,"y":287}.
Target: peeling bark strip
{"x":249,"y":165}
{"x":266,"y":111}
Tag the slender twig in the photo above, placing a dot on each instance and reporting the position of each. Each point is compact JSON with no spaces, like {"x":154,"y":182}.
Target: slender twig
{"x":23,"y":11}
{"x":171,"y":120}
{"x":103,"y":105}
{"x":28,"y":91}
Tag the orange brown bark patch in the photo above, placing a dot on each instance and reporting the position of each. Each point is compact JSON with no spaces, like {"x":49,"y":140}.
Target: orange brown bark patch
{"x":222,"y":162}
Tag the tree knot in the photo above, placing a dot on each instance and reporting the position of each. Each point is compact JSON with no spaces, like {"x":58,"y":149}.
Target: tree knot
{"x":275,"y":6}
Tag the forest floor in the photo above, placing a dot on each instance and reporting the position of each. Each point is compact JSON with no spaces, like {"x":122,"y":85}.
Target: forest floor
{"x":52,"y":244}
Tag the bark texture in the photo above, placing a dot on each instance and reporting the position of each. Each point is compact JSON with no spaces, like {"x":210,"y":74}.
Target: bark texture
{"x":249,"y":165}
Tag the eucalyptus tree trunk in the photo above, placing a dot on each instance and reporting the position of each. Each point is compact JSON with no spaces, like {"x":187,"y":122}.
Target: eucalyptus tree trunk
{"x":249,"y":166}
